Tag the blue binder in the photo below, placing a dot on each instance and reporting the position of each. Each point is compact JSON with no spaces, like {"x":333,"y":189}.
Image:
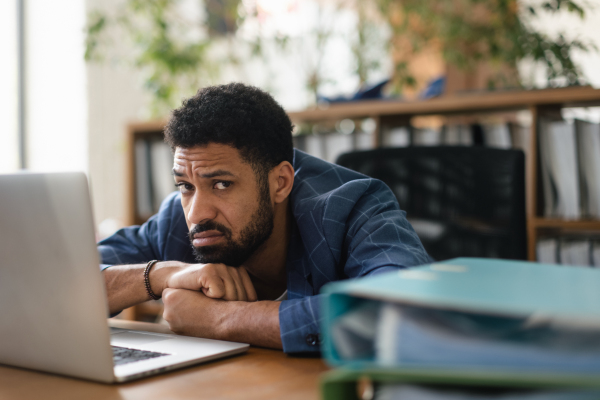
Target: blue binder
{"x":499,"y":288}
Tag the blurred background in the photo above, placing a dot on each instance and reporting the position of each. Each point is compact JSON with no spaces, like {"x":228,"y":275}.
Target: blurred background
{"x":87,"y":85}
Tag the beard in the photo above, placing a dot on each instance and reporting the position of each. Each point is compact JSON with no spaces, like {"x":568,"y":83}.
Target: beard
{"x":234,"y":253}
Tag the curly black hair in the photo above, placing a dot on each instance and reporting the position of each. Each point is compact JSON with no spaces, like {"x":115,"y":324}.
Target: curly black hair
{"x":237,"y":115}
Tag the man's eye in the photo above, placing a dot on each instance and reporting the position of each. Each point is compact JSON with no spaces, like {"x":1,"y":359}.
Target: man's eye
{"x":184,"y":187}
{"x":222,"y":185}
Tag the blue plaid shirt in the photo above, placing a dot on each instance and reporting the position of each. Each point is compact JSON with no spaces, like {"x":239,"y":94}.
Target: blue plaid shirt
{"x":345,"y":225}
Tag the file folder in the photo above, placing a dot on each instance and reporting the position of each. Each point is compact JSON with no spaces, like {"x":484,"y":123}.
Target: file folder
{"x":567,"y":295}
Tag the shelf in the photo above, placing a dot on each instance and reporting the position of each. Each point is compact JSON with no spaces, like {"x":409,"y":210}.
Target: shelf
{"x":565,"y":224}
{"x":455,"y":104}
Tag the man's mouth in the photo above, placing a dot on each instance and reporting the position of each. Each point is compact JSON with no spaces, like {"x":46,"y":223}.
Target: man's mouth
{"x":207,"y":238}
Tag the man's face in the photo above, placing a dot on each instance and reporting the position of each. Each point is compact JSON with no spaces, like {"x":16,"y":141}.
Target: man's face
{"x":229,"y":215}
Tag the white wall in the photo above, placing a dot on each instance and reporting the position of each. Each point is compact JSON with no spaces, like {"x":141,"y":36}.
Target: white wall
{"x":9,"y":150}
{"x":114,"y":100}
{"x":56,"y":113}
{"x":55,"y":86}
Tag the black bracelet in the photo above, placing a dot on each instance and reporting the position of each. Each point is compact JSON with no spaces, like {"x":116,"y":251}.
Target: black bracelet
{"x":147,"y":280}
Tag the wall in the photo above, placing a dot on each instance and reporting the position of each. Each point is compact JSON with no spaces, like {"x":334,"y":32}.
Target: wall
{"x":114,"y":100}
{"x":55,"y":91}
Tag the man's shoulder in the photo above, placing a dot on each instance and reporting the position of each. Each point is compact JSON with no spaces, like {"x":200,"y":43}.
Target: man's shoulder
{"x":315,"y":177}
{"x":317,"y":181}
{"x":171,"y":204}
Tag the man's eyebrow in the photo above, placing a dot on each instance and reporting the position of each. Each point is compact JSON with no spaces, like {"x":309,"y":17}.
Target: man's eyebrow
{"x":219,"y":172}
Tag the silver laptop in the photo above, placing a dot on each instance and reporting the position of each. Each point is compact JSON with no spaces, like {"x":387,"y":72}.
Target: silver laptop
{"x":53,"y":308}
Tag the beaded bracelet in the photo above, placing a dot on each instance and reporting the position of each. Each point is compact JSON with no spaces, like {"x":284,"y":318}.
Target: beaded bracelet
{"x":147,"y":280}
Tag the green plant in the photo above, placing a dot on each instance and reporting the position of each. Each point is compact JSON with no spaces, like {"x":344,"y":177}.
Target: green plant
{"x":468,"y":32}
{"x":154,"y":37}
{"x":177,"y":53}
{"x":170,"y":49}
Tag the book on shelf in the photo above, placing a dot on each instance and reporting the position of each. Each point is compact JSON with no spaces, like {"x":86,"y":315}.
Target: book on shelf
{"x":497,"y":135}
{"x":588,"y":147}
{"x":397,"y":137}
{"x":161,"y":176}
{"x":458,"y":135}
{"x":426,"y":137}
{"x":143,"y":183}
{"x":153,"y":178}
{"x":520,"y":136}
{"x":559,"y":169}
{"x":577,"y":250}
{"x":547,"y":251}
{"x":570,"y":169}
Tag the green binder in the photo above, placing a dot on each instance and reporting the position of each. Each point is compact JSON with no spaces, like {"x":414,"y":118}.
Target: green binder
{"x":483,"y":286}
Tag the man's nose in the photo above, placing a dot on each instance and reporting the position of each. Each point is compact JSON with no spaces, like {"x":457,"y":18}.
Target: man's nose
{"x":201,"y":210}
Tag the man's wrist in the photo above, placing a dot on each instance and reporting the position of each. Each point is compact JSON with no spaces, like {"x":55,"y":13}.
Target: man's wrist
{"x":160,"y":274}
{"x":231,"y":323}
{"x":250,"y":322}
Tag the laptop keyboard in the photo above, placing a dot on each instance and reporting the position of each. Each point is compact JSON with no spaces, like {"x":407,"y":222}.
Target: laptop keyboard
{"x":125,"y":355}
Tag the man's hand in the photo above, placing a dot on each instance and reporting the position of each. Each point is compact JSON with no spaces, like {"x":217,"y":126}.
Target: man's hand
{"x":125,"y":283}
{"x":193,"y":314}
{"x":216,"y":281}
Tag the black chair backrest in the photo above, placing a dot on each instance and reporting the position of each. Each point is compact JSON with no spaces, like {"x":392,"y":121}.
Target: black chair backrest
{"x":462,"y":201}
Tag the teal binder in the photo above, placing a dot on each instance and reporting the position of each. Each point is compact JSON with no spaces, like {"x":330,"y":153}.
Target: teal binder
{"x":483,"y":286}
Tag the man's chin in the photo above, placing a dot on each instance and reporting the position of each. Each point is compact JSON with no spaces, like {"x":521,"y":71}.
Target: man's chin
{"x":209,"y":254}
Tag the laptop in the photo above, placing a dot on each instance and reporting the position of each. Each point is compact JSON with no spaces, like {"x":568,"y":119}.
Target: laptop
{"x":53,"y":308}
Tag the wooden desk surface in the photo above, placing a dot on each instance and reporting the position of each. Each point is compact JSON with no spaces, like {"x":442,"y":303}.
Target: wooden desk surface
{"x":257,"y":374}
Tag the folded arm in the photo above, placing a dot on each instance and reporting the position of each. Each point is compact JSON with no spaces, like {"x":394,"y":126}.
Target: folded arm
{"x":125,"y":285}
{"x":194,"y":314}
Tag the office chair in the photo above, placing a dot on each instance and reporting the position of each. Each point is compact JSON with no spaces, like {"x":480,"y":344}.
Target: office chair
{"x":462,"y":201}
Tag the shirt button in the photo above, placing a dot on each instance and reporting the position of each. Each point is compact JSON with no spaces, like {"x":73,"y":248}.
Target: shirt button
{"x":312,"y":340}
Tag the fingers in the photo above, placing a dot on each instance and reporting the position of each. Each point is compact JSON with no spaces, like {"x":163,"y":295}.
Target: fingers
{"x":213,"y":286}
{"x":247,"y":282}
{"x":231,"y":288}
{"x":240,"y":284}
{"x":216,"y":281}
{"x":204,"y":277}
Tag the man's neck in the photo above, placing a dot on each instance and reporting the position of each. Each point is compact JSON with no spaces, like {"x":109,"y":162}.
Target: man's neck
{"x":267,"y":266}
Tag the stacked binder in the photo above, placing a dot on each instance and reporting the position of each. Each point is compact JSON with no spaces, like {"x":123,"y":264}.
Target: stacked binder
{"x":466,"y":322}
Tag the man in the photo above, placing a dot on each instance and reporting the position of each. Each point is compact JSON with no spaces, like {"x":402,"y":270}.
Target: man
{"x":268,"y":227}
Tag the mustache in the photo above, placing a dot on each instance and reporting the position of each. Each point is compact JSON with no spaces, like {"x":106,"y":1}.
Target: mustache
{"x":210,"y":226}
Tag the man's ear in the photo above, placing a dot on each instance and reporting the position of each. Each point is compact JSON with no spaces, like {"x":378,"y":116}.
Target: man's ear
{"x":281,"y":179}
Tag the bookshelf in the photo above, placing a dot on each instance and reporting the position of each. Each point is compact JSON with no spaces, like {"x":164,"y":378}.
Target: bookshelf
{"x":539,"y":103}
{"x":389,"y":113}
{"x":152,"y":130}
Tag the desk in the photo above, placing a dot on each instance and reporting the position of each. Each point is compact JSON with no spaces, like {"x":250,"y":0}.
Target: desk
{"x":258,"y":374}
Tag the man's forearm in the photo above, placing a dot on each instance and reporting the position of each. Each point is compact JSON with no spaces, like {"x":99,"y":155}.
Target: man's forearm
{"x":125,"y":283}
{"x":193,"y":314}
{"x":255,"y":323}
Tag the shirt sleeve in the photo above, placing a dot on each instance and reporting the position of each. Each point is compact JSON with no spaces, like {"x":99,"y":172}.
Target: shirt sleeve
{"x":140,"y":244}
{"x":300,"y":322}
{"x":131,"y":245}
